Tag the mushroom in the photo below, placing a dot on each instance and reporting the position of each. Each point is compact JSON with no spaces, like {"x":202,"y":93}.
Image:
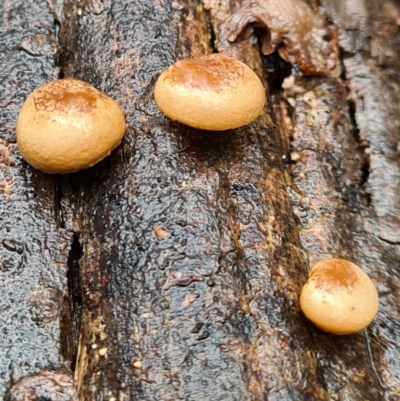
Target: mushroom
{"x":213,"y":92}
{"x":68,"y":125}
{"x":339,"y":297}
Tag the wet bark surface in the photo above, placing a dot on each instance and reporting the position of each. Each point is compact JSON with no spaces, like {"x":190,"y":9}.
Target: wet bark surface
{"x":345,"y":195}
{"x":186,"y":260}
{"x":33,"y":246}
{"x":182,"y":255}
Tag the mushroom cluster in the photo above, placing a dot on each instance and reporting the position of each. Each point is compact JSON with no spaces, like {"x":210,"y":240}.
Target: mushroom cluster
{"x":339,"y":297}
{"x":213,"y":92}
{"x":68,"y":125}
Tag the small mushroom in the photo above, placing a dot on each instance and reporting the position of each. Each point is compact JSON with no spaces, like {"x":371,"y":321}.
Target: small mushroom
{"x":68,"y":125}
{"x":213,"y":92}
{"x":339,"y":297}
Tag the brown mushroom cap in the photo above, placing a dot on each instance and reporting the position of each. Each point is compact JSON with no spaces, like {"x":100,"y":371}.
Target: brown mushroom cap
{"x":68,"y":125}
{"x":339,"y":297}
{"x":213,"y":92}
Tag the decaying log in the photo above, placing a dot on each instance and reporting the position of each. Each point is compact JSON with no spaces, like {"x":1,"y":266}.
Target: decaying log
{"x":34,"y":246}
{"x":192,"y":246}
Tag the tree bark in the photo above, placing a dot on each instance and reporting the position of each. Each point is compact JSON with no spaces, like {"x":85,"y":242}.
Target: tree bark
{"x":188,"y":249}
{"x":347,"y":178}
{"x":34,"y":246}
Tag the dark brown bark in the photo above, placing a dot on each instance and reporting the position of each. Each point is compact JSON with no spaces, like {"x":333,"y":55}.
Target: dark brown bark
{"x":211,"y":310}
{"x":33,"y":244}
{"x":347,"y":176}
{"x":196,"y":244}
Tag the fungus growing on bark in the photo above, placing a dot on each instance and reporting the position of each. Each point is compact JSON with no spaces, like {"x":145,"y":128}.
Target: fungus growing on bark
{"x":291,"y":26}
{"x":339,"y":297}
{"x":213,"y":92}
{"x":68,"y":125}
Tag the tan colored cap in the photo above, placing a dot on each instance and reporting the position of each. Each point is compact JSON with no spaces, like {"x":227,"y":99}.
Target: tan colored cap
{"x":213,"y":92}
{"x":339,"y":297}
{"x":68,"y":125}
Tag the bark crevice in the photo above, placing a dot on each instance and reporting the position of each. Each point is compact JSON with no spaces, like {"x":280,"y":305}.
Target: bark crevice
{"x":74,"y":315}
{"x":213,"y":38}
{"x":363,"y":145}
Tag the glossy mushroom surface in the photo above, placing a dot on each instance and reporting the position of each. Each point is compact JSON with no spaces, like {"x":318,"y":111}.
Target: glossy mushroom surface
{"x":291,"y":26}
{"x":68,"y":125}
{"x":213,"y":92}
{"x":339,"y":297}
